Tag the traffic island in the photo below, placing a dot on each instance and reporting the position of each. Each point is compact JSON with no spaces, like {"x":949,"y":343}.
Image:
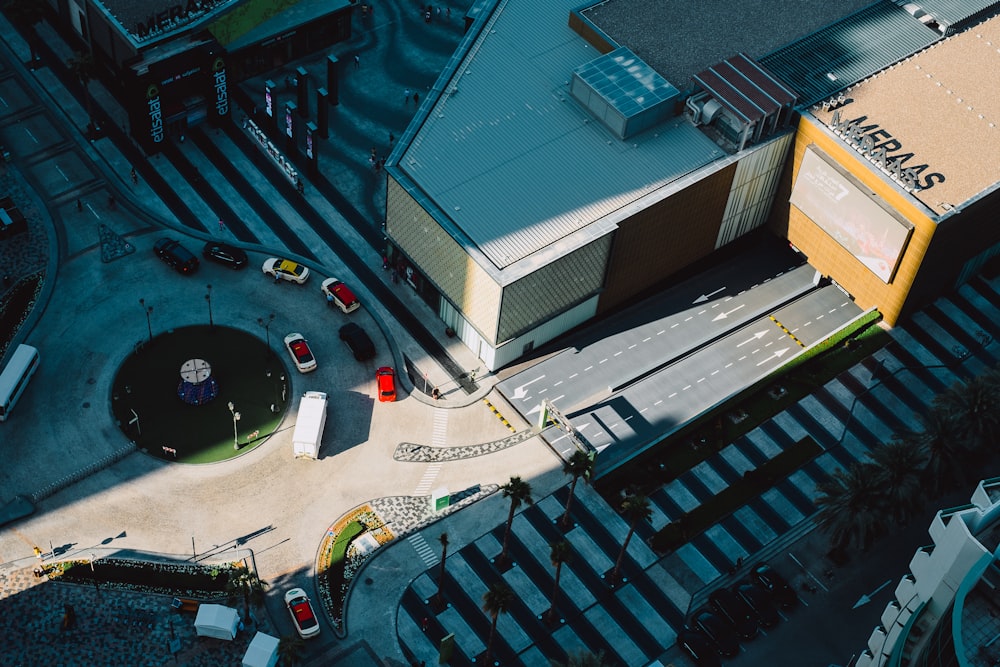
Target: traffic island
{"x":200,"y":394}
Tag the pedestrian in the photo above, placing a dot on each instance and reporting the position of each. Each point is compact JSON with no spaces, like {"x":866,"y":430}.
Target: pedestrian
{"x":416,"y":99}
{"x":406,"y":96}
{"x":436,"y":393}
{"x":245,"y":121}
{"x":79,"y":206}
{"x":424,"y":624}
{"x":448,"y":13}
{"x":385,"y":263}
{"x":222,"y":226}
{"x":329,"y":299}
{"x":111,"y":202}
{"x":392,"y":138}
{"x":38,"y":552}
{"x":357,"y":61}
{"x":135,"y":177}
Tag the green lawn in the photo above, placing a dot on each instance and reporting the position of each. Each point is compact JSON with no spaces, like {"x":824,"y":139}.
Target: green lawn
{"x":249,"y":376}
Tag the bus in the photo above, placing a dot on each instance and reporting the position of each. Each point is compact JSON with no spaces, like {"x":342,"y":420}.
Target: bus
{"x":15,"y":377}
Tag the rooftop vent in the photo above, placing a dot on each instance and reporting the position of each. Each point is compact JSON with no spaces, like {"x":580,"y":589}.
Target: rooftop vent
{"x":623,"y":92}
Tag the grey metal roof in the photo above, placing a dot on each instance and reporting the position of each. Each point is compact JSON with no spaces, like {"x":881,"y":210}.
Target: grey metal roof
{"x":954,"y":14}
{"x":840,"y":55}
{"x":516,"y":164}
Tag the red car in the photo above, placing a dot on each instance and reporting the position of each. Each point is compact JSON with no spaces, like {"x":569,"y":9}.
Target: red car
{"x":385,"y":377}
{"x":302,"y":613}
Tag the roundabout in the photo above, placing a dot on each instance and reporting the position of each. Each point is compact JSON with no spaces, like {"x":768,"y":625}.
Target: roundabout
{"x":200,"y":394}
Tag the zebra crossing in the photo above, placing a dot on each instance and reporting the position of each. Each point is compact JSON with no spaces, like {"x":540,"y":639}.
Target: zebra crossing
{"x":635,"y":623}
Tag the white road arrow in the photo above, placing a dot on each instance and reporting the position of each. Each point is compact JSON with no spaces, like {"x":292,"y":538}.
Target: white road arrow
{"x":777,"y":355}
{"x":722,"y":316}
{"x":756,"y":336}
{"x":865,"y":599}
{"x":704,"y":297}
{"x":520,"y":392}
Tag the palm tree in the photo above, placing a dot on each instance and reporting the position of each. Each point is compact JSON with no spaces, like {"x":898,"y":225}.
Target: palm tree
{"x":945,"y":453}
{"x":975,"y":408}
{"x":290,"y":651}
{"x":580,"y":464}
{"x":852,"y":506}
{"x":519,"y":492}
{"x":496,"y":601}
{"x":443,"y":539}
{"x":583,"y":658}
{"x":559,"y":553}
{"x":635,"y":508}
{"x":244,"y":583}
{"x":900,"y":463}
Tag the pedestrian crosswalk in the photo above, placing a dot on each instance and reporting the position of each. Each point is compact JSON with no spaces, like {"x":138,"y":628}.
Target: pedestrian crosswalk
{"x":634,"y":623}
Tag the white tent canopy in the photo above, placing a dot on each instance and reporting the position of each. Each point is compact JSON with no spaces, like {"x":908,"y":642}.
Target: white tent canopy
{"x":215,"y":620}
{"x":262,"y":652}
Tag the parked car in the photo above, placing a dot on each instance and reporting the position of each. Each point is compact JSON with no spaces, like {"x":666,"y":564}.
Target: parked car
{"x":338,"y":294}
{"x":225,"y":254}
{"x":759,"y":601}
{"x":699,"y":648}
{"x":775,"y":585}
{"x":385,"y":378}
{"x":285,"y":269}
{"x":361,"y":345}
{"x":298,"y":347}
{"x":174,"y":254}
{"x":736,"y":611}
{"x":302,"y":613}
{"x":720,"y":633}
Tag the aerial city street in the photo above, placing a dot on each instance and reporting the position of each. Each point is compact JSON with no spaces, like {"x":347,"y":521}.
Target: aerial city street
{"x":498,"y":332}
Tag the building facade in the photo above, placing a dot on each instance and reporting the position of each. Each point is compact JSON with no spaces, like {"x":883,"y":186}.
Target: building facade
{"x":943,"y":612}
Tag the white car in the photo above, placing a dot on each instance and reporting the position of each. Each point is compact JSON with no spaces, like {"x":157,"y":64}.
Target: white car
{"x":302,"y":355}
{"x":302,"y":613}
{"x":338,"y":294}
{"x":285,"y":269}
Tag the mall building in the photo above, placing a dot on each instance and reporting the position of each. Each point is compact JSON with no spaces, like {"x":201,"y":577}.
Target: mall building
{"x":175,"y":61}
{"x":944,"y":611}
{"x":572,"y":159}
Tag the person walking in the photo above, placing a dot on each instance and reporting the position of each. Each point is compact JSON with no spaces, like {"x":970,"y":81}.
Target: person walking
{"x":135,"y":177}
{"x":357,"y":61}
{"x":406,"y":96}
{"x":222,"y":226}
{"x":416,"y":99}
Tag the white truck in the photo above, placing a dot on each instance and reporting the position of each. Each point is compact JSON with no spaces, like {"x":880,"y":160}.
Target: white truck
{"x":308,"y":434}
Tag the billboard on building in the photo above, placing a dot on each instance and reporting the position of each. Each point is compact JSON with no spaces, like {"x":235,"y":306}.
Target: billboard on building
{"x":849,"y":212}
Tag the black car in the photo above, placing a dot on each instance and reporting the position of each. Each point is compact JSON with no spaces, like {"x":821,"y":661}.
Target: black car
{"x":775,"y":585}
{"x":759,"y":601}
{"x":173,"y":253}
{"x":361,"y":345}
{"x":722,"y":636}
{"x":734,"y":609}
{"x":225,"y":254}
{"x":699,"y":648}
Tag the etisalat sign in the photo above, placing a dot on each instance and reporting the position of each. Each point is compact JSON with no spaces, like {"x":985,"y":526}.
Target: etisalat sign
{"x":878,"y":145}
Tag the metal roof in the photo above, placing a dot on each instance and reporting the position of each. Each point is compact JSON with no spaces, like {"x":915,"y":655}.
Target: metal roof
{"x":953,"y":14}
{"x":517,"y":166}
{"x":840,"y":55}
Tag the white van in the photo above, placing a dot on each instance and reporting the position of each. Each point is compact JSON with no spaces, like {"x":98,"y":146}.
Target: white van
{"x":15,"y":376}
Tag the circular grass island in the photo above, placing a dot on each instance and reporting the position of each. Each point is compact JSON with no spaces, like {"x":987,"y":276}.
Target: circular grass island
{"x":200,"y":394}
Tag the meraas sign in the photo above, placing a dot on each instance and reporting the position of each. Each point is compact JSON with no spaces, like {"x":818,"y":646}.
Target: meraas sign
{"x":879,"y":145}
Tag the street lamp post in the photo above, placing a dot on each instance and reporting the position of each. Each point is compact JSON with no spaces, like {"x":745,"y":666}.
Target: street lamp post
{"x":208,"y":298}
{"x":236,"y":418}
{"x":148,"y":310}
{"x":267,"y":328}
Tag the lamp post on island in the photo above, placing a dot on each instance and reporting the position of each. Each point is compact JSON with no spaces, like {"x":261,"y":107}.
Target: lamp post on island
{"x":148,"y":310}
{"x":236,"y":418}
{"x":266,"y":323}
{"x":208,"y":298}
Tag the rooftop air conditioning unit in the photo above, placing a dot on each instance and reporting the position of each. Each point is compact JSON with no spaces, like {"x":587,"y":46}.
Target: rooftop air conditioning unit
{"x":709,"y":112}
